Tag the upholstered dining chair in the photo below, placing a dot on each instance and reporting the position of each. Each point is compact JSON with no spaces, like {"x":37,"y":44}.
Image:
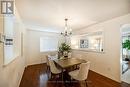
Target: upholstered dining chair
{"x":49,"y":57}
{"x":81,"y":74}
{"x":54,"y":70}
{"x":53,"y":57}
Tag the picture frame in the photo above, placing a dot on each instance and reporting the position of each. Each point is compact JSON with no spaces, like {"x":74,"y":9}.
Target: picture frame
{"x":84,"y":43}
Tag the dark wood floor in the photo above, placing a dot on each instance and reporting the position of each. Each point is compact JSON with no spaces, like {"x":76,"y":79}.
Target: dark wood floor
{"x":36,"y":76}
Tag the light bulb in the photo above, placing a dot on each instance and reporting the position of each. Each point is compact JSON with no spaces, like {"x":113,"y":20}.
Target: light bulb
{"x":70,"y":30}
{"x":65,"y":28}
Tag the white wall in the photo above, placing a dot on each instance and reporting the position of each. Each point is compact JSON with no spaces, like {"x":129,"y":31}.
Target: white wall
{"x":34,"y":56}
{"x":11,"y":74}
{"x":107,"y":63}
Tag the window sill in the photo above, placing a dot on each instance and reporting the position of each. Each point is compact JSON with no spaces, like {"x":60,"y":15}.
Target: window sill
{"x":88,"y":50}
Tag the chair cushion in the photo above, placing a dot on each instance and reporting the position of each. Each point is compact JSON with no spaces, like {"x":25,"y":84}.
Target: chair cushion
{"x":56,"y":71}
{"x":74,"y":74}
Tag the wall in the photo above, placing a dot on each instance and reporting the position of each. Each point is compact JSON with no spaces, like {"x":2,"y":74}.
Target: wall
{"x":107,"y":63}
{"x":11,"y":74}
{"x":34,"y":56}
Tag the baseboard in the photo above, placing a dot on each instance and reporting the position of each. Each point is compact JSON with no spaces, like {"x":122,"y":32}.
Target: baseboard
{"x":21,"y":76}
{"x":107,"y":78}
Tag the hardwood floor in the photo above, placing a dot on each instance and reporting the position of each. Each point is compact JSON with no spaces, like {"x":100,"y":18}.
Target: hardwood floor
{"x":36,"y":76}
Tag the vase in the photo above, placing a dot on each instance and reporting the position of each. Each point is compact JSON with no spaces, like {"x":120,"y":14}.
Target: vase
{"x":65,"y":54}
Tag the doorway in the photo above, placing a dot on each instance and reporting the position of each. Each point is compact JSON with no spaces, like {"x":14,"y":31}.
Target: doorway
{"x":125,"y":53}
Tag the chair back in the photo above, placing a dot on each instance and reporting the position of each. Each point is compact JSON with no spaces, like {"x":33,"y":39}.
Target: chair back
{"x":53,"y":67}
{"x":53,"y":57}
{"x":83,"y":71}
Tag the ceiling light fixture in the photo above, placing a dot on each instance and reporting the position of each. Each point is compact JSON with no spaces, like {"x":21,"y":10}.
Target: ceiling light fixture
{"x":68,"y":30}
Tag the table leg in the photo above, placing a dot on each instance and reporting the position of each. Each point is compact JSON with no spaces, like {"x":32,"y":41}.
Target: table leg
{"x":63,"y":81}
{"x":62,"y":75}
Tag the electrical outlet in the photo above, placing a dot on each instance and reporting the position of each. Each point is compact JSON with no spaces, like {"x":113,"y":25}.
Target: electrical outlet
{"x":109,"y":69}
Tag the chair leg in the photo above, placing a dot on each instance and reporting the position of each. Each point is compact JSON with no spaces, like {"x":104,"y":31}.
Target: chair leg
{"x":86,"y":83}
{"x":83,"y":84}
{"x":47,"y":71}
{"x":56,"y":82}
{"x":71,"y":82}
{"x":51,"y":75}
{"x":46,"y":68}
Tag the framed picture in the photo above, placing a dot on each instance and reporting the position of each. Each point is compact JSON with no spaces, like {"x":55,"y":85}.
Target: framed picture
{"x":84,"y":43}
{"x":8,"y":40}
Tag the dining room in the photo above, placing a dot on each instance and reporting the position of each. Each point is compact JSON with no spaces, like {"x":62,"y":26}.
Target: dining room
{"x":62,"y":43}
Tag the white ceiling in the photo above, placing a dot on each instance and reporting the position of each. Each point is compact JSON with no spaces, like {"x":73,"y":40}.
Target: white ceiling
{"x":81,"y":13}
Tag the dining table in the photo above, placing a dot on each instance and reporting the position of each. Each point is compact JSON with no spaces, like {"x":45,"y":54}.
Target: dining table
{"x":66,"y":63}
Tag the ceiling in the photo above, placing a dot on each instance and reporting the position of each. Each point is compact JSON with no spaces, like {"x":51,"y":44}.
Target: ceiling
{"x":81,"y":13}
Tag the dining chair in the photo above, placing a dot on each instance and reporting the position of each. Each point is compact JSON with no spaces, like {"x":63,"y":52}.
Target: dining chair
{"x":48,"y":66}
{"x":81,"y":74}
{"x":50,"y":57}
{"x":54,"y":70}
{"x":53,"y":57}
{"x":79,"y":56}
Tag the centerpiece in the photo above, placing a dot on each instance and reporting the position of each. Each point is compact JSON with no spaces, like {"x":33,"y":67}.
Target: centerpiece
{"x":64,"y":50}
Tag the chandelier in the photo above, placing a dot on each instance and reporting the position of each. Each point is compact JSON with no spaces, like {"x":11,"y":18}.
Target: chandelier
{"x":68,"y":30}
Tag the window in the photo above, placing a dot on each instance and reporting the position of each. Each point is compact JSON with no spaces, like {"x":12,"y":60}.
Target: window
{"x":90,"y":42}
{"x":12,"y":43}
{"x":48,"y":44}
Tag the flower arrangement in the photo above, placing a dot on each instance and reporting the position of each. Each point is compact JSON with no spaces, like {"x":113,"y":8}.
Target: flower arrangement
{"x":64,"y":49}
